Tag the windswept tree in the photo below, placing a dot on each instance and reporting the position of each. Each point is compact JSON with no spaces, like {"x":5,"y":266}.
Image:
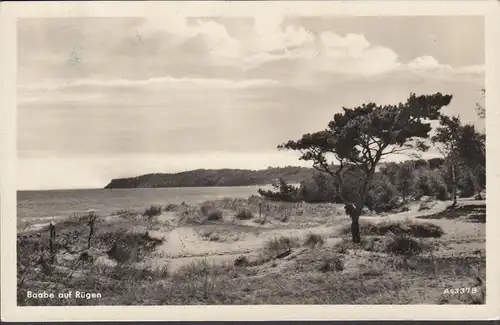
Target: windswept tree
{"x":361,"y":137}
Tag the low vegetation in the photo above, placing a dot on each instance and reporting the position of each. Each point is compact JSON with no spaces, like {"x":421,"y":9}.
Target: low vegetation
{"x":415,"y":229}
{"x":244,"y":214}
{"x":153,"y":211}
{"x":396,"y":262}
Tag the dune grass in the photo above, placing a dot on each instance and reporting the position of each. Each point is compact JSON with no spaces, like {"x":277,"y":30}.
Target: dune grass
{"x":399,"y":262}
{"x":415,"y":229}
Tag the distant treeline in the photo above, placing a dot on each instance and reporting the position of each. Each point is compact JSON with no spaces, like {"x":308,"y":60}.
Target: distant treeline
{"x":392,"y":185}
{"x":217,"y":177}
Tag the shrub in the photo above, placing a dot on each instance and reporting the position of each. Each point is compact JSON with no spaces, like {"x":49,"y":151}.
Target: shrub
{"x":314,"y":240}
{"x":383,"y":195}
{"x":244,"y":214}
{"x":429,"y":183}
{"x":320,"y":188}
{"x":282,"y":192}
{"x":332,"y":264}
{"x":209,"y":213}
{"x":466,"y":183}
{"x":214,"y":215}
{"x":170,"y":207}
{"x":416,"y":229}
{"x":404,"y":244}
{"x":128,"y":247}
{"x":282,"y":243}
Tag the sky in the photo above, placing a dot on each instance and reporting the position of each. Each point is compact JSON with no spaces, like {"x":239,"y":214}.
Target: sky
{"x":103,"y":98}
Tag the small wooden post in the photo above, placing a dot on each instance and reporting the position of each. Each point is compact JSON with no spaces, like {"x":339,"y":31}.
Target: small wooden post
{"x":52,"y":238}
{"x":92,"y":218}
{"x":260,"y":210}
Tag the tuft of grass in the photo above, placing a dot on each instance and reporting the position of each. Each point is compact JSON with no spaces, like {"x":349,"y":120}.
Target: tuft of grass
{"x":210,"y":213}
{"x":122,"y":212}
{"x":404,"y":244}
{"x":171,"y":207}
{"x":415,"y":229}
{"x":244,"y":214}
{"x":127,"y":247}
{"x":280,"y":244}
{"x":153,"y":211}
{"x":332,"y":264}
{"x":215,"y":215}
{"x":314,"y":240}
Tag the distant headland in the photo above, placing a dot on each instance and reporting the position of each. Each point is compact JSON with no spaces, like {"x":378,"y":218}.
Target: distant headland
{"x":215,"y":177}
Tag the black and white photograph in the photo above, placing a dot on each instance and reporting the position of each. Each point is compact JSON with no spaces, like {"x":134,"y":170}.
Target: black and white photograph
{"x":260,"y":159}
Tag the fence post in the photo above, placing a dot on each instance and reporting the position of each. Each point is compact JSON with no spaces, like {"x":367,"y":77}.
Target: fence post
{"x":52,"y":230}
{"x":91,"y":224}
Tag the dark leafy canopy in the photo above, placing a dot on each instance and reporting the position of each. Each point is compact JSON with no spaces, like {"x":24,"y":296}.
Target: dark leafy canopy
{"x":361,"y":136}
{"x":463,"y":142}
{"x":464,"y":146}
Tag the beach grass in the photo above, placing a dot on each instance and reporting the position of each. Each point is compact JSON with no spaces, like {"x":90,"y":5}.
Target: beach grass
{"x":307,"y":259}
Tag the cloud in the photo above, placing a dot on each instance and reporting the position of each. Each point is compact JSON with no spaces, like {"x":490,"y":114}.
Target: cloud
{"x":165,"y":82}
{"x":273,"y":40}
{"x":428,"y":67}
{"x":427,"y":63}
{"x":215,"y":35}
{"x":180,"y":50}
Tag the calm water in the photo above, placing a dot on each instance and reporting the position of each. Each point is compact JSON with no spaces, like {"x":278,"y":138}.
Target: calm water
{"x":45,"y":205}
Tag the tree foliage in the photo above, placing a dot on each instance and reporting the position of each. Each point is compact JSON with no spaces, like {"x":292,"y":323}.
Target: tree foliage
{"x":464,"y":148}
{"x":480,"y":109}
{"x":360,"y":137}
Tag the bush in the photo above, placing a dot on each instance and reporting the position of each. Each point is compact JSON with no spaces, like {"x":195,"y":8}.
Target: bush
{"x":128,"y":247}
{"x":415,"y":229}
{"x":244,"y":214}
{"x":171,"y":207}
{"x":152,"y":211}
{"x":282,"y":243}
{"x":320,"y":188}
{"x":466,"y":183}
{"x":282,"y":192}
{"x":214,"y":215}
{"x":404,"y":244}
{"x":383,"y":195}
{"x":429,"y":183}
{"x":333,"y":264}
{"x":314,"y":240}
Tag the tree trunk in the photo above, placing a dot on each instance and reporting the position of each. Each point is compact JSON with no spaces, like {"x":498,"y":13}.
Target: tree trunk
{"x":477,"y":185}
{"x":354,"y":213}
{"x":356,"y":237}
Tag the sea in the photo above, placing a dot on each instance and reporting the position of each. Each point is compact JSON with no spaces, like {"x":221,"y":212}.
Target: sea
{"x":38,"y":208}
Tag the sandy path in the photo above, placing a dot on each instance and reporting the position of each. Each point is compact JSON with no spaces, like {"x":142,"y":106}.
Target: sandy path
{"x":184,"y":245}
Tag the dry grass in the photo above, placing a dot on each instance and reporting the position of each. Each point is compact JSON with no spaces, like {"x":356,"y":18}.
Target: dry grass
{"x":396,"y":263}
{"x":314,"y":240}
{"x":280,"y":244}
{"x":153,"y":211}
{"x":415,"y":229}
{"x":244,"y":214}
